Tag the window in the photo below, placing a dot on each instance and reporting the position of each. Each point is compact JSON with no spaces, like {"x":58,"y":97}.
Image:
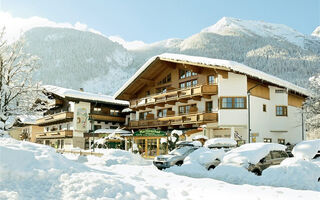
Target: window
{"x":194,"y":82}
{"x":148,"y":93}
{"x":281,"y":111}
{"x":186,"y":73}
{"x":161,"y":90}
{"x":96,"y":109}
{"x":239,"y":102}
{"x":281,"y":141}
{"x":267,"y":140}
{"x":211,"y":80}
{"x":188,"y":84}
{"x":96,"y":127}
{"x":166,"y":79}
{"x":182,"y":74}
{"x":114,"y":112}
{"x":143,"y":115}
{"x":227,"y":102}
{"x":233,"y":102}
{"x":186,"y":109}
{"x":280,"y":91}
{"x":276,"y":154}
{"x":60,"y":126}
{"x":208,"y":106}
{"x":182,"y":109}
{"x":163,"y":112}
{"x":264,"y":108}
{"x":169,"y":78}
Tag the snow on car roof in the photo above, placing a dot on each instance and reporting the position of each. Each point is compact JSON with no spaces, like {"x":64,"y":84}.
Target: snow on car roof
{"x":210,"y":62}
{"x":220,"y":142}
{"x":251,"y":153}
{"x":306,"y":149}
{"x":65,"y":92}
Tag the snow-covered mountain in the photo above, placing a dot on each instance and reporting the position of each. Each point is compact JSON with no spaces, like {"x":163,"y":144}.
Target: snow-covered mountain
{"x":75,"y":59}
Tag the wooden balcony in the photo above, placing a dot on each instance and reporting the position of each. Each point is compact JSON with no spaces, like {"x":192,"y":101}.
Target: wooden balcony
{"x":197,"y":118}
{"x":55,"y":134}
{"x":103,"y":117}
{"x":55,"y":118}
{"x":171,"y":97}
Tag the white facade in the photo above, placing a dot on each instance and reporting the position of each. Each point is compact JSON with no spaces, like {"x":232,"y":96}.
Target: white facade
{"x":264,"y":124}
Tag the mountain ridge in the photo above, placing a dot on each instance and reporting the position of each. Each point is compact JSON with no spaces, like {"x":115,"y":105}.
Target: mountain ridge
{"x":82,"y":59}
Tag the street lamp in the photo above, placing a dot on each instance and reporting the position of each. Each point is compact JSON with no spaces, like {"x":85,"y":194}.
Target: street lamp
{"x":91,"y":131}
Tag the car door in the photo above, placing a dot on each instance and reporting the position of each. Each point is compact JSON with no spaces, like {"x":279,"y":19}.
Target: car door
{"x":265,"y":162}
{"x":276,"y":157}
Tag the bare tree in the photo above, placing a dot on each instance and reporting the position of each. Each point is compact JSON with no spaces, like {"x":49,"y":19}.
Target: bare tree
{"x":18,"y":92}
{"x":312,"y":108}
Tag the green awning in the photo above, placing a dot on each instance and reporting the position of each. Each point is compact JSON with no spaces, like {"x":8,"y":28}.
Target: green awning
{"x":150,"y":132}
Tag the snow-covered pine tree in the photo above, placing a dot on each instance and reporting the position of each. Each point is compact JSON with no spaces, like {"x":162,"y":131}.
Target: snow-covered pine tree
{"x":312,"y":109}
{"x":18,"y":93}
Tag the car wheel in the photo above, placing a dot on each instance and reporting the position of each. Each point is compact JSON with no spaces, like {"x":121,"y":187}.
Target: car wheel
{"x":179,"y":163}
{"x":319,"y":179}
{"x":211,"y":167}
{"x":257,"y":172}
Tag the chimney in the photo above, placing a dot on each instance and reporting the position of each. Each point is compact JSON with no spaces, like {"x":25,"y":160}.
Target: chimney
{"x":81,"y":90}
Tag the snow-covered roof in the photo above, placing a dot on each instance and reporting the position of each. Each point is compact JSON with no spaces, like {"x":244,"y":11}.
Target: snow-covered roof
{"x":210,"y":62}
{"x":28,"y":119}
{"x":220,"y":142}
{"x":198,"y":137}
{"x":65,"y":92}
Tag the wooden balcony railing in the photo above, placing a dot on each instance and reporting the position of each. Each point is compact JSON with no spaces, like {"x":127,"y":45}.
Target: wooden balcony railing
{"x":176,"y":120}
{"x":58,"y":117}
{"x":55,"y":134}
{"x":102,"y":117}
{"x":175,"y":95}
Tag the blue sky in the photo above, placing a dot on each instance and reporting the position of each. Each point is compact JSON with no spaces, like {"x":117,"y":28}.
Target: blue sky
{"x":150,"y":20}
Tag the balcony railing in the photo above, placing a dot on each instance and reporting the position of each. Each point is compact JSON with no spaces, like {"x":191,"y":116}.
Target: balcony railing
{"x":103,"y":117}
{"x":55,"y":134}
{"x":175,"y":95}
{"x":176,"y":120}
{"x":55,"y":118}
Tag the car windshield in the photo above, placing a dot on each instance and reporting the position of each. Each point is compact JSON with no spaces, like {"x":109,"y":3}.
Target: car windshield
{"x":180,"y":151}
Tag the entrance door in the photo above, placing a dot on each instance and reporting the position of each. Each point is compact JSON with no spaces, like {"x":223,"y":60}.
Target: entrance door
{"x":152,"y":147}
{"x":141,"y":146}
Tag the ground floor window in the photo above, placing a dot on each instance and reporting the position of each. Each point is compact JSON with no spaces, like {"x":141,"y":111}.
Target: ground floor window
{"x":267,"y":140}
{"x":150,"y":147}
{"x":281,"y":141}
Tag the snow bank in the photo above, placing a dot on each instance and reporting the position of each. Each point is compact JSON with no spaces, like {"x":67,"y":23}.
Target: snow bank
{"x":293,"y":173}
{"x":306,"y":149}
{"x":116,"y":157}
{"x":220,"y":142}
{"x":32,"y":169}
{"x":251,"y":153}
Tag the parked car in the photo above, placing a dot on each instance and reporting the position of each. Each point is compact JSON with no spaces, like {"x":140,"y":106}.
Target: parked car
{"x":273,"y":158}
{"x":218,"y":147}
{"x":176,"y":156}
{"x":256,"y":157}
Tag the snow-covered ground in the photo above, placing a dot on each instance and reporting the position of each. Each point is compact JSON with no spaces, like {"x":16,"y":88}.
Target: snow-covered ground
{"x":31,"y":171}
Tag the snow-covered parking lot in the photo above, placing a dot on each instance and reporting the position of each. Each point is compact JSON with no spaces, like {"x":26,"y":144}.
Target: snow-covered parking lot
{"x":31,"y":171}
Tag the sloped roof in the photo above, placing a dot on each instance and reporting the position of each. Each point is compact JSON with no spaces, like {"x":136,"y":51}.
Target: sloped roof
{"x":65,"y":93}
{"x":222,"y":64}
